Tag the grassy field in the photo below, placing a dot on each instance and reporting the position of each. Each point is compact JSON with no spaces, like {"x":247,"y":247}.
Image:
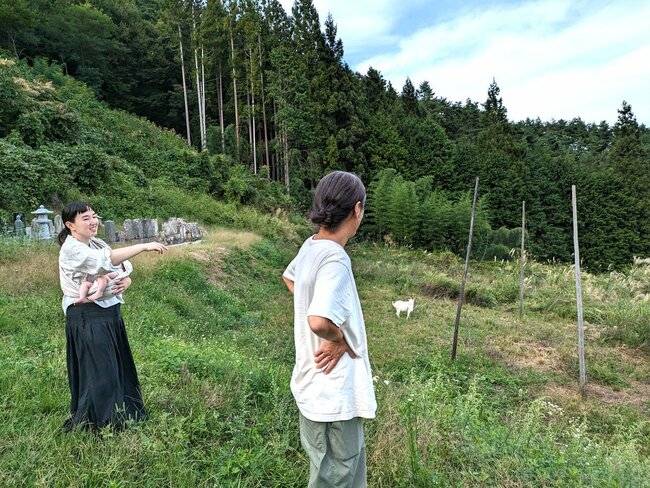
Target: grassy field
{"x":210,"y":326}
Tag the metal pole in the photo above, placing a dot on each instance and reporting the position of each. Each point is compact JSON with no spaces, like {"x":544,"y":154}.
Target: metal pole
{"x":581,"y":333}
{"x":522,"y":261}
{"x":461,"y":295}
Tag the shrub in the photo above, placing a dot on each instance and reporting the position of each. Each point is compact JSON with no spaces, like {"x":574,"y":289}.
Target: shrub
{"x":497,"y":251}
{"x":88,"y":165}
{"x":239,"y":186}
{"x":269,"y":195}
{"x":479,"y":296}
{"x":624,"y":322}
{"x":48,"y":122}
{"x":442,"y":286}
{"x":30,"y":177}
{"x":13,"y":99}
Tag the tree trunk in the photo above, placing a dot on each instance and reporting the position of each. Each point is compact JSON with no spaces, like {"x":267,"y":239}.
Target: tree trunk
{"x":234,"y":87}
{"x":204,"y":143}
{"x":248,"y":115}
{"x":200,"y":85}
{"x":198,"y":95}
{"x":221,"y":124}
{"x":187,"y":111}
{"x":253,"y":134}
{"x":11,"y":35}
{"x":266,"y":137}
{"x":276,"y":134}
{"x":286,"y":160}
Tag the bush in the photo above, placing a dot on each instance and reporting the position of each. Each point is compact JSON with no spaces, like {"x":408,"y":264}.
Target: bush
{"x":413,"y":214}
{"x":442,"y":286}
{"x":88,"y":165}
{"x":502,"y":244}
{"x":48,"y":122}
{"x":30,"y":177}
{"x":270,"y":196}
{"x":498,"y":252}
{"x":623,"y":322}
{"x":13,"y":100}
{"x":480,"y":296}
{"x":239,"y":186}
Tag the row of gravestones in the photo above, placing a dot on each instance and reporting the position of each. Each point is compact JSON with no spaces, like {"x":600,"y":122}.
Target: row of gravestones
{"x":174,"y":231}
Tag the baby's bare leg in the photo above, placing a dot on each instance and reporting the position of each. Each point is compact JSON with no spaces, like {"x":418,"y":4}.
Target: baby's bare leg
{"x":83,"y":292}
{"x":102,"y":282}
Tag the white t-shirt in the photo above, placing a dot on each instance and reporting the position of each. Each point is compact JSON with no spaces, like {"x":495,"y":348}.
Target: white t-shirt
{"x":324,"y":286}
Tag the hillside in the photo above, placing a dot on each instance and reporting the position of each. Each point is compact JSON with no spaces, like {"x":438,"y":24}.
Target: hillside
{"x":210,"y":326}
{"x":59,"y":143}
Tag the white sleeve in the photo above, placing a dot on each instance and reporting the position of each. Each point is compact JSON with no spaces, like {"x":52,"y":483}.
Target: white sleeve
{"x":290,"y":272}
{"x":332,"y":295}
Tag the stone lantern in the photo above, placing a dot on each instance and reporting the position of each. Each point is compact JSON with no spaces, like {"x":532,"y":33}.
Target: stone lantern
{"x":42,"y":226}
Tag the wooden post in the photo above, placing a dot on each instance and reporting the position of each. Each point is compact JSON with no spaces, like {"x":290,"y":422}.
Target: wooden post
{"x":461,"y":294}
{"x":581,"y":333}
{"x":522,"y":261}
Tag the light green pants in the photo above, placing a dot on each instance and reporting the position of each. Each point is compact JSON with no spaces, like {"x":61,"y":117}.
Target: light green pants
{"x":337,"y":453}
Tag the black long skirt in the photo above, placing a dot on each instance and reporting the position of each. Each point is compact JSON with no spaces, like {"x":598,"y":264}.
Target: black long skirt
{"x":104,"y":386}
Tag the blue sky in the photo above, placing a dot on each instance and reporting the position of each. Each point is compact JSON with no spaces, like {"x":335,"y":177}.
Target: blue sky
{"x":552,"y":59}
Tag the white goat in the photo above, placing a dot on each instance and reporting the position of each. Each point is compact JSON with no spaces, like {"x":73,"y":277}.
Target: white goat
{"x":404,"y":306}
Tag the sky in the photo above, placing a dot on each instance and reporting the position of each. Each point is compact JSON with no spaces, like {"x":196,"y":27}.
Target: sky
{"x":552,"y":59}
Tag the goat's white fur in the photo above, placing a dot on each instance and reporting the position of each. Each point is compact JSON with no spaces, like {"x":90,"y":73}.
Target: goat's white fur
{"x":404,"y":306}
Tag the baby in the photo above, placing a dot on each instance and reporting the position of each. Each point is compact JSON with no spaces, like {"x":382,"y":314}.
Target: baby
{"x":101,"y":281}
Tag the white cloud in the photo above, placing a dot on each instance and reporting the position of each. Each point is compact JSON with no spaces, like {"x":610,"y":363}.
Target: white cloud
{"x":550,"y":59}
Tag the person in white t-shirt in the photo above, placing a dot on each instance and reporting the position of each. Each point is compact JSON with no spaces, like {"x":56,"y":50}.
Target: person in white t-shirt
{"x":331,"y":381}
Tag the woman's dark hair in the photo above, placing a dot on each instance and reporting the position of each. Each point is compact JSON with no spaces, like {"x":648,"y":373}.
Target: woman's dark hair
{"x":335,"y":198}
{"x":68,"y":214}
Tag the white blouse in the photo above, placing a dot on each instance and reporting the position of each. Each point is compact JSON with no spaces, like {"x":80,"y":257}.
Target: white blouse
{"x":78,"y":262}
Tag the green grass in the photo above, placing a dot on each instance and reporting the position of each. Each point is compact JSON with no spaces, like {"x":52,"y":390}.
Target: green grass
{"x":211,"y":330}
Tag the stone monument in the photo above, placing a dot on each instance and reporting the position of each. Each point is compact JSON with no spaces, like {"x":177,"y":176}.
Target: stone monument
{"x":109,"y":231}
{"x":58,"y":224}
{"x":42,"y":226}
{"x":19,"y":226}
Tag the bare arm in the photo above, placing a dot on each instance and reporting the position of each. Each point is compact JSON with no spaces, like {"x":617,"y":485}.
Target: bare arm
{"x":289,"y":283}
{"x":118,"y":256}
{"x":325,"y":328}
{"x":334,"y":345}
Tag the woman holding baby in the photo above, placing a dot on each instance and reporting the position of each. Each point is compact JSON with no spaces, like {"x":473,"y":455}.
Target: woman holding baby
{"x":103,"y":380}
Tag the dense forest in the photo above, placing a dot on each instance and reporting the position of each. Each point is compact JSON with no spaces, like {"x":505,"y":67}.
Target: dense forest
{"x":268,"y":104}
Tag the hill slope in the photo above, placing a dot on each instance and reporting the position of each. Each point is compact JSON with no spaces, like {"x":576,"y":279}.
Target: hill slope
{"x":58,"y":143}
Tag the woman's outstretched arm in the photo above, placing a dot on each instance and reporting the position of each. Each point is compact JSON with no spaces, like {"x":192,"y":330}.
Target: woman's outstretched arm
{"x":118,"y":256}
